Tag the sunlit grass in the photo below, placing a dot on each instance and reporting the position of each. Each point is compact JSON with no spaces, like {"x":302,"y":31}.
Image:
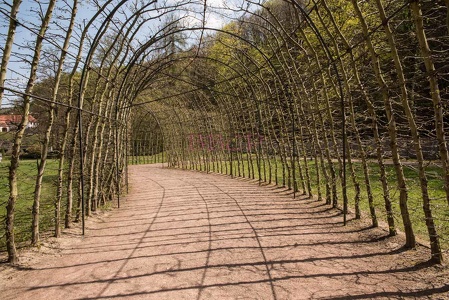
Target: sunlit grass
{"x":26,"y":183}
{"x":147,"y":159}
{"x":244,"y":167}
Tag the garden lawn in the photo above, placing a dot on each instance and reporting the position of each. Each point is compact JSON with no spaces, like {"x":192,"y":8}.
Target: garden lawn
{"x":26,"y":183}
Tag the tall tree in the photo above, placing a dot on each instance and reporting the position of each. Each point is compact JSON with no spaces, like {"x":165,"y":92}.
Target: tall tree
{"x":437,"y":255}
{"x":392,"y":130}
{"x":12,"y":254}
{"x":8,"y":45}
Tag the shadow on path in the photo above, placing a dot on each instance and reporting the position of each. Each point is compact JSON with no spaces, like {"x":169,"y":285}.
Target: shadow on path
{"x":187,"y":235}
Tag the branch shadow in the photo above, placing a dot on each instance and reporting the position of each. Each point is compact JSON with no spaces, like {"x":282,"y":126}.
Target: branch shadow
{"x":280,"y":237}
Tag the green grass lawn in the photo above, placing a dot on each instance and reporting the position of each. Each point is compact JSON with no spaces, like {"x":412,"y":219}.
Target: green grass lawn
{"x":439,"y":204}
{"x":147,"y":159}
{"x":28,"y":170}
{"x":26,"y":182}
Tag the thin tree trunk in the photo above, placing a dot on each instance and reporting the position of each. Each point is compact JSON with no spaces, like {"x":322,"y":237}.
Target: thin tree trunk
{"x":353,"y":123}
{"x":363,"y":156}
{"x":308,"y":189}
{"x":333,"y":174}
{"x":434,"y":90}
{"x":319,"y":159}
{"x":331,"y":134}
{"x":23,"y":124}
{"x":447,"y":15}
{"x":98,"y":160}
{"x":8,"y":45}
{"x":433,"y":236}
{"x":439,"y":123}
{"x":58,"y":77}
{"x":402,"y":186}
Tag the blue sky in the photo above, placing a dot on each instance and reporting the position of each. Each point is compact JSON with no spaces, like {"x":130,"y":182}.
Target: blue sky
{"x":18,"y":68}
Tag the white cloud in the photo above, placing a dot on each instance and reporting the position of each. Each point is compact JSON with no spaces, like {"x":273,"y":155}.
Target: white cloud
{"x":214,"y":21}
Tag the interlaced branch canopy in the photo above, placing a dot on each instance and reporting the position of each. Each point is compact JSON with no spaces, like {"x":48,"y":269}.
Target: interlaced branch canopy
{"x":343,"y":100}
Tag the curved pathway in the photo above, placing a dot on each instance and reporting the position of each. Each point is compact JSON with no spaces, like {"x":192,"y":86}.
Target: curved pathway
{"x":188,"y":235}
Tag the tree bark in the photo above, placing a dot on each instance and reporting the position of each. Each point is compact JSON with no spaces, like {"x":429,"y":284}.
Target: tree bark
{"x":402,"y":186}
{"x":8,"y":45}
{"x":20,"y":133}
{"x":439,"y":124}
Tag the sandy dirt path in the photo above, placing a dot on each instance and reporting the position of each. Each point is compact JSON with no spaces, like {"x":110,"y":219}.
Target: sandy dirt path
{"x":189,"y":235}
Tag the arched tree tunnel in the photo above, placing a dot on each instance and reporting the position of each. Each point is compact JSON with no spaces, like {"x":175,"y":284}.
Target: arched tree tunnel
{"x":341,"y":100}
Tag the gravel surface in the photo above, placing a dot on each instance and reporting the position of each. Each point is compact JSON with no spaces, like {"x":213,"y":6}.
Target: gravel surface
{"x":189,"y":235}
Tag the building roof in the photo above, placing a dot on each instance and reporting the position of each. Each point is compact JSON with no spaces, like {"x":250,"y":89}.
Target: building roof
{"x":15,"y":119}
